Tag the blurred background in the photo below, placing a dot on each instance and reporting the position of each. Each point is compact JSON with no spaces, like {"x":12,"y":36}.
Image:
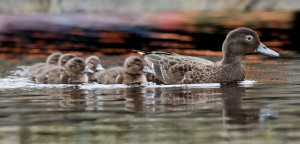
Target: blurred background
{"x":36,"y":28}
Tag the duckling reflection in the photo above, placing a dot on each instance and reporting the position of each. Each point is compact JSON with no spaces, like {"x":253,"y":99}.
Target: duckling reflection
{"x":134,"y":100}
{"x":73,"y":98}
{"x":183,"y":98}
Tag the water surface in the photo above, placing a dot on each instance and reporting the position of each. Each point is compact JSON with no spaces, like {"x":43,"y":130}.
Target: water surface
{"x":262,"y":109}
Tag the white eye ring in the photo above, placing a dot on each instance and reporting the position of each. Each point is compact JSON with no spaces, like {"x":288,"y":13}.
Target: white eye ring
{"x":249,"y":37}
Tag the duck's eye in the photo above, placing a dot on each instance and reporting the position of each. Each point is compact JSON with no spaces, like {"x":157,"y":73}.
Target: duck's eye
{"x":249,"y":37}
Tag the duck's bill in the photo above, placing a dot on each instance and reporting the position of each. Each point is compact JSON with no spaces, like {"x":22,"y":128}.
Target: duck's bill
{"x":88,"y":70}
{"x":99,"y":67}
{"x":266,"y":51}
{"x":146,"y":70}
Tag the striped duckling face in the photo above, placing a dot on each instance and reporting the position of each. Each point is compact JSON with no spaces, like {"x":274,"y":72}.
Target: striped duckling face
{"x":135,"y":65}
{"x":77,"y":65}
{"x":93,"y":63}
{"x":53,"y":58}
{"x":63,"y":59}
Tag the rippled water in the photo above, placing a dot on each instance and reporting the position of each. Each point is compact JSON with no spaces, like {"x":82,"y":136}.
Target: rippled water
{"x":263,"y":109}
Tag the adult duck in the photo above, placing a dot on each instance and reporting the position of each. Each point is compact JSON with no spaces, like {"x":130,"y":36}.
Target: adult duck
{"x":171,"y":68}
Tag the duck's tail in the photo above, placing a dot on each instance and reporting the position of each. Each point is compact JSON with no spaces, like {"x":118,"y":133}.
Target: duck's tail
{"x":154,"y":52}
{"x":140,"y":52}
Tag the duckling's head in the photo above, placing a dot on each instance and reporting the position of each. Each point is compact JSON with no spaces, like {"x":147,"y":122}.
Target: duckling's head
{"x":134,"y":65}
{"x":242,"y":41}
{"x":63,"y":59}
{"x":76,"y":65}
{"x":53,"y":58}
{"x":93,"y":63}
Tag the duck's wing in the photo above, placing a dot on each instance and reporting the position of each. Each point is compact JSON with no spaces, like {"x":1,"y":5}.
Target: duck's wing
{"x":170,"y":68}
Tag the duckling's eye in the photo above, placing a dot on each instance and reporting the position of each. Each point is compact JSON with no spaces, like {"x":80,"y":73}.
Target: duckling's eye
{"x":138,"y":64}
{"x":249,"y":37}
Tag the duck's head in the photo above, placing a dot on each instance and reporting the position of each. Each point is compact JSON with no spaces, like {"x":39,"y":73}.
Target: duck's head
{"x":135,"y":65}
{"x":77,"y":65}
{"x":242,"y":41}
{"x":93,"y":63}
{"x":63,"y":59}
{"x":53,"y":58}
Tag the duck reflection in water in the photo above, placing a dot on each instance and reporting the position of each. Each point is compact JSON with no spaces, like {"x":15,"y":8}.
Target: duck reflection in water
{"x":73,"y":98}
{"x":134,"y":100}
{"x":187,"y":99}
{"x":227,"y":98}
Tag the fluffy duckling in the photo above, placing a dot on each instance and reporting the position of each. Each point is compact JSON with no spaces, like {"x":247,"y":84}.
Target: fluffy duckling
{"x":65,"y":58}
{"x":130,"y":74}
{"x":72,"y":73}
{"x":93,"y":63}
{"x":39,"y":68}
{"x":35,"y":69}
{"x":53,"y":58}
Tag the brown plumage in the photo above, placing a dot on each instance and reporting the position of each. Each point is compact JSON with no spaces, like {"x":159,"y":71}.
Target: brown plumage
{"x":93,"y":63}
{"x":152,"y":78}
{"x":39,"y":67}
{"x":173,"y":68}
{"x":72,"y":73}
{"x":130,"y":74}
{"x":65,"y":58}
{"x":53,"y":58}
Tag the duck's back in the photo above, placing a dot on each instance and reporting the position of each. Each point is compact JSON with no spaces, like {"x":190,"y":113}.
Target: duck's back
{"x":172,"y":68}
{"x":109,"y":76}
{"x":50,"y":76}
{"x":34,"y":68}
{"x":69,"y":77}
{"x":37,"y":69}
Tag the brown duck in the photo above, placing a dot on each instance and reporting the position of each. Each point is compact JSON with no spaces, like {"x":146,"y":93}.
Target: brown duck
{"x":73,"y":73}
{"x":39,"y":68}
{"x":130,"y":74}
{"x":35,"y":69}
{"x":171,"y":68}
{"x":93,"y":63}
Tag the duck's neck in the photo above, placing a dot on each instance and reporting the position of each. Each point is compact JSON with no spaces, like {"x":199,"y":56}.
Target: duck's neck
{"x":232,"y":69}
{"x":231,"y":60}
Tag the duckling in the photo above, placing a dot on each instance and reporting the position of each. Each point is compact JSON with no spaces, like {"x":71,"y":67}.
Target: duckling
{"x":65,"y":58}
{"x":34,"y":70}
{"x":41,"y":68}
{"x":53,"y":58}
{"x":73,"y":73}
{"x":173,"y":68}
{"x":131,"y":73}
{"x":93,"y":63}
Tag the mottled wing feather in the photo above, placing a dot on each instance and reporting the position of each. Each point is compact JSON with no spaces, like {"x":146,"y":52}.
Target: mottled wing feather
{"x":171,"y":67}
{"x":158,"y":72}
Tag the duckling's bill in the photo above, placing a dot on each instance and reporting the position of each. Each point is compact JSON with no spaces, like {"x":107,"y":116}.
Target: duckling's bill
{"x":264,"y":50}
{"x":88,"y":70}
{"x":146,"y":70}
{"x":99,"y":68}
